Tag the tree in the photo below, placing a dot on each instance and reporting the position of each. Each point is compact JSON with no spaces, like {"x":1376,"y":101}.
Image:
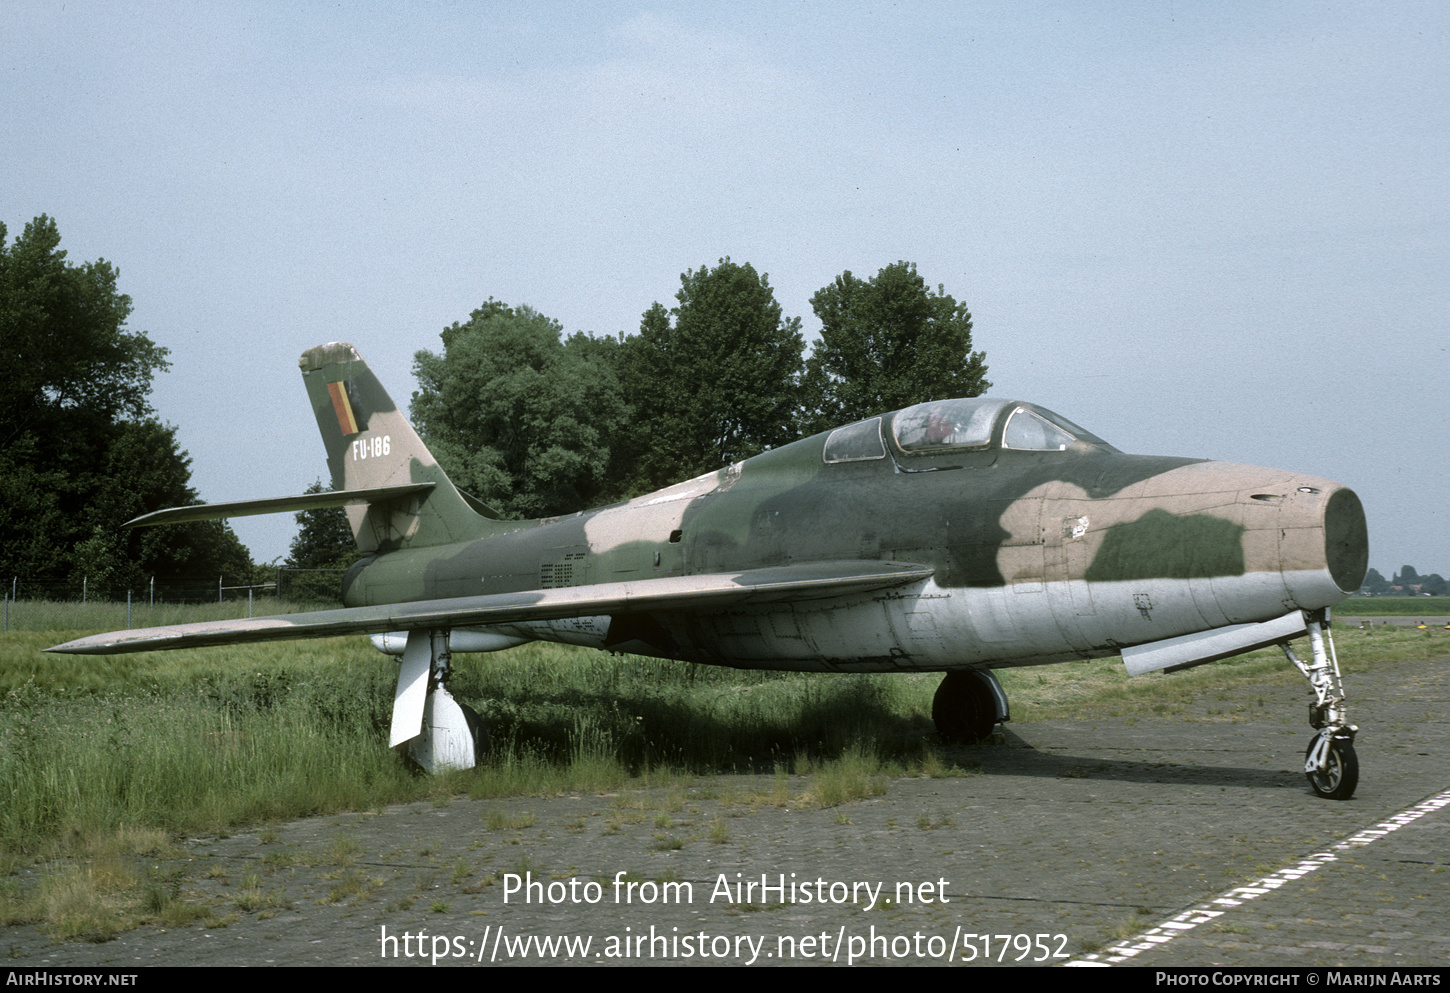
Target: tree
{"x":80,"y":449}
{"x":518,"y":415}
{"x":146,"y":470}
{"x":63,"y":338}
{"x":1407,"y":577}
{"x":324,"y":537}
{"x":888,"y":343}
{"x":718,"y":385}
{"x":1375,"y":584}
{"x":324,"y":541}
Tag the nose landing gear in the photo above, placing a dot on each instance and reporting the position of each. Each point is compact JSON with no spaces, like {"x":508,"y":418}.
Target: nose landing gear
{"x":1330,"y":763}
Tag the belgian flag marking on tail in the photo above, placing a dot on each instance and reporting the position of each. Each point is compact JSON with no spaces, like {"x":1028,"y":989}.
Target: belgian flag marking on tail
{"x":343,"y":408}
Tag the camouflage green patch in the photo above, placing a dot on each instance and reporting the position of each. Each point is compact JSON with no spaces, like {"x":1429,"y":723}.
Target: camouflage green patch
{"x":1160,"y":545}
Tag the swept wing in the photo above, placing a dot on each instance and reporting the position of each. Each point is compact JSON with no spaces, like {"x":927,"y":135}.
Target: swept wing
{"x":818,"y":580}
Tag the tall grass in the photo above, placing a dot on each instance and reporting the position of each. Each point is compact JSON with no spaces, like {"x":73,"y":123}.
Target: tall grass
{"x":197,"y":741}
{"x":187,"y":758}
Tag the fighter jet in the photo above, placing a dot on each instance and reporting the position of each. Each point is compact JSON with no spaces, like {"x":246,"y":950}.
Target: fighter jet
{"x":955,"y":536}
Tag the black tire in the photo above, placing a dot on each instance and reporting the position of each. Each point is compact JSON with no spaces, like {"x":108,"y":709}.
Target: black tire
{"x":963,"y":709}
{"x":1340,"y":776}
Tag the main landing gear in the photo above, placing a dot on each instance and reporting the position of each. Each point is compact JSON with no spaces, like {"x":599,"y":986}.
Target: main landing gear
{"x":967,"y":705}
{"x":1330,"y":764}
{"x":435,"y":730}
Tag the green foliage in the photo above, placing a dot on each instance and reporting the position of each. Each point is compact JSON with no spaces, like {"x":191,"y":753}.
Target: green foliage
{"x":80,"y":452}
{"x":538,"y":424}
{"x":719,"y":385}
{"x":518,"y":415}
{"x":1375,"y":583}
{"x":324,"y":541}
{"x":324,"y":537}
{"x":63,"y":338}
{"x":888,"y":343}
{"x":1412,"y":583}
{"x":1407,"y":583}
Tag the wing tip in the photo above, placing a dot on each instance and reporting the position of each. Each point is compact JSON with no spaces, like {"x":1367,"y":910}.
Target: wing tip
{"x":77,"y":647}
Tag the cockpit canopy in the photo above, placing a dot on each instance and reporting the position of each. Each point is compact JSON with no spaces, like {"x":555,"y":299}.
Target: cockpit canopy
{"x":946,"y":425}
{"x":959,"y":425}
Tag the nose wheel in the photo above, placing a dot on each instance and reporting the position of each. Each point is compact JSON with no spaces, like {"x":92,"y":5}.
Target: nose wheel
{"x":1336,"y":776}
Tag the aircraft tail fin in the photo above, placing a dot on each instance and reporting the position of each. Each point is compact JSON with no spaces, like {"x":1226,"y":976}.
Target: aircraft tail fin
{"x":371,"y":445}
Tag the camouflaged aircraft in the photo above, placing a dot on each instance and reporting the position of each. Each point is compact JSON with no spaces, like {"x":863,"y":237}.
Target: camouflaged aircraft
{"x":957,"y":536}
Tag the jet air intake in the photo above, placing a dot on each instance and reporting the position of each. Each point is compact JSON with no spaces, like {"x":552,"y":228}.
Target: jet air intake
{"x":1346,"y":540}
{"x":1323,"y":543}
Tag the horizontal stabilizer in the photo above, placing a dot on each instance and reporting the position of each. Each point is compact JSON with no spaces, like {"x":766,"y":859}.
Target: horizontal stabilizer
{"x":1210,"y":646}
{"x":277,"y":505}
{"x":798,"y":583}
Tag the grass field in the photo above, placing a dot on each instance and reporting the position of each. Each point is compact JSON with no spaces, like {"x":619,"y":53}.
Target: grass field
{"x":109,"y":756}
{"x":1394,"y":606}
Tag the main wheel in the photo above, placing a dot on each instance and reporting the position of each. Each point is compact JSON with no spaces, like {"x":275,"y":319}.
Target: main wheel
{"x":963,"y":708}
{"x":1340,"y":775}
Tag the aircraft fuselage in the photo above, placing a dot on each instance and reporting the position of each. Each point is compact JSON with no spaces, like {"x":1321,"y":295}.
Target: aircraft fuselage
{"x":1038,"y":556}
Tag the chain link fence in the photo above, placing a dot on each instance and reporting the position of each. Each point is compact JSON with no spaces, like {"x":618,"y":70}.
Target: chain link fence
{"x":55,"y":605}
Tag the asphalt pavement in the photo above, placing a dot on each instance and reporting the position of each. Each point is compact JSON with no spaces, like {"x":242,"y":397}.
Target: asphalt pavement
{"x":1067,"y":841}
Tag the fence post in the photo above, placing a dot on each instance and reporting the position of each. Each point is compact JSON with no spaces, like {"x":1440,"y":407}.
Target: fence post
{"x":128,"y":610}
{"x":7,"y":611}
{"x":249,"y":603}
{"x":83,"y":588}
{"x":219,"y":589}
{"x":153,"y":592}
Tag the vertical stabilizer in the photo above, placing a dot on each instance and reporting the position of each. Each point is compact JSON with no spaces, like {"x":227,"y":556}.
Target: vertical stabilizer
{"x":370,"y":444}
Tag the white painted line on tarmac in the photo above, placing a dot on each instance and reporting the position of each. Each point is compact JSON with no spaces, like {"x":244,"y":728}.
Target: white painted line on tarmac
{"x":1203,"y":913}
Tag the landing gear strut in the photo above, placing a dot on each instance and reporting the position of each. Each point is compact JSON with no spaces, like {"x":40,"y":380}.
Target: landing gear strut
{"x":1330,"y":764}
{"x":967,"y":705}
{"x":435,"y":730}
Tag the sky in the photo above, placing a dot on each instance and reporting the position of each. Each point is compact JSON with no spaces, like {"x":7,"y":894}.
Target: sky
{"x":1217,"y":230}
